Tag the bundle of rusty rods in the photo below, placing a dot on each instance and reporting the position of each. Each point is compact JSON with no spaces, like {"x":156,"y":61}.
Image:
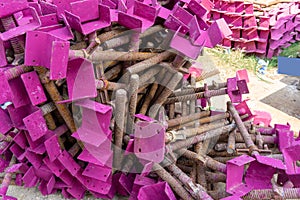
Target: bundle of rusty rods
{"x":149,"y":80}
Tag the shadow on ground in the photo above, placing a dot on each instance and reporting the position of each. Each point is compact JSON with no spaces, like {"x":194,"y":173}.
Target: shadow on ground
{"x":286,"y":99}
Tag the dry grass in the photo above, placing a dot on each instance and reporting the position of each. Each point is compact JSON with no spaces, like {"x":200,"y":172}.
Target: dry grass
{"x":234,"y":59}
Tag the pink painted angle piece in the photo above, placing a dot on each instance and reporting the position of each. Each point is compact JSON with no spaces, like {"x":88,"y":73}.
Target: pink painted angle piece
{"x":11,"y":7}
{"x":235,"y":172}
{"x":262,"y":118}
{"x":18,"y":30}
{"x":160,"y":190}
{"x":212,"y":36}
{"x":242,"y":74}
{"x":34,"y":88}
{"x":3,"y":60}
{"x":36,"y":125}
{"x":98,"y":155}
{"x":185,"y":46}
{"x":149,"y":141}
{"x":62,"y":6}
{"x":52,"y":25}
{"x":50,"y":52}
{"x":231,"y":198}
{"x":81,"y":79}
{"x":178,"y":20}
{"x":87,"y":22}
{"x":244,"y":110}
{"x":5,"y":123}
{"x":101,"y":173}
{"x":141,"y":19}
{"x":95,"y":122}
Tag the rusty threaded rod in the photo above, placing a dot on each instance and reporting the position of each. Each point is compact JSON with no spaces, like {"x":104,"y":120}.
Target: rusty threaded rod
{"x":120,"y":112}
{"x":102,"y":38}
{"x":205,"y":120}
{"x":193,"y":140}
{"x":215,"y":177}
{"x":174,"y":184}
{"x":186,"y":119}
{"x":231,"y":142}
{"x":166,"y":93}
{"x":206,"y":160}
{"x":108,"y":85}
{"x":198,"y":89}
{"x":193,"y":131}
{"x":208,"y":94}
{"x":266,"y":194}
{"x":133,"y":94}
{"x":99,"y":56}
{"x":224,"y":146}
{"x":200,"y":193}
{"x":48,"y":108}
{"x":243,"y":130}
{"x":56,"y":97}
{"x":17,"y":71}
{"x":146,"y":64}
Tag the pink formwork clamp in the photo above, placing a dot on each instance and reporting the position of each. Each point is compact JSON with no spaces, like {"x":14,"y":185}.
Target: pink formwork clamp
{"x":98,"y":16}
{"x":155,"y":137}
{"x":51,"y":24}
{"x":37,"y":53}
{"x":235,"y":173}
{"x":262,"y":118}
{"x":142,"y":17}
{"x":185,"y":46}
{"x":8,"y":9}
{"x":178,"y":20}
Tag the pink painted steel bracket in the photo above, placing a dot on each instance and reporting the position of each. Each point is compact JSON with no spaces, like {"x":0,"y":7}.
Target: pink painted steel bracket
{"x":179,"y":20}
{"x":285,"y":137}
{"x":242,"y":74}
{"x":62,"y":6}
{"x":212,"y":36}
{"x":200,"y":8}
{"x":95,"y":122}
{"x":101,"y":155}
{"x":3,"y":59}
{"x":139,"y":182}
{"x":80,"y":80}
{"x":142,"y":18}
{"x":262,"y":118}
{"x":7,"y":9}
{"x":234,"y":175}
{"x":50,"y":52}
{"x":261,"y":171}
{"x":36,"y":125}
{"x":5,"y":123}
{"x":149,"y":141}
{"x":51,"y":24}
{"x":87,"y":22}
{"x":34,"y":88}
{"x":48,"y":8}
{"x":18,"y":97}
{"x":185,"y":46}
{"x":101,"y":173}
{"x":18,"y":114}
{"x":160,"y":190}
{"x":235,"y":89}
{"x":244,"y":110}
